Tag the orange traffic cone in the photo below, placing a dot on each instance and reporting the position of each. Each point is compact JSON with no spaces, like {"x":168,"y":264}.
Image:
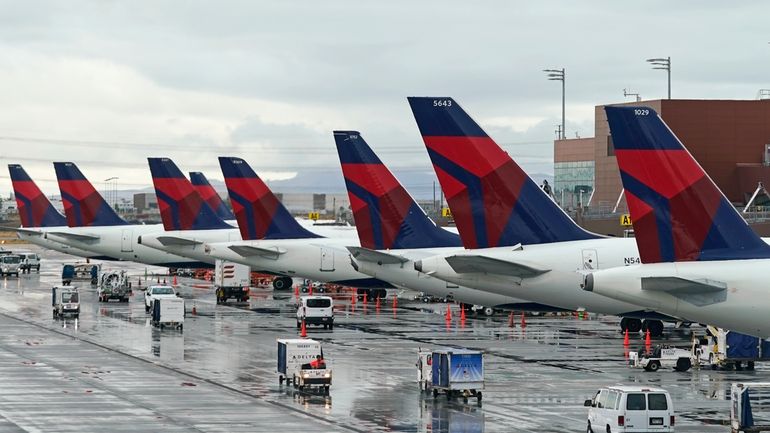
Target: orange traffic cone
{"x":296,"y":290}
{"x":175,"y":281}
{"x":395,"y":301}
{"x":353,"y":298}
{"x":626,"y":342}
{"x":377,"y":303}
{"x":364,"y":297}
{"x":462,"y":313}
{"x":523,"y":320}
{"x":448,"y":313}
{"x":303,"y":330}
{"x":510,"y":321}
{"x":647,"y":339}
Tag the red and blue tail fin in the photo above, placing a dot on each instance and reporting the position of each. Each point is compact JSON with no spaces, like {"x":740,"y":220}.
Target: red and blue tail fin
{"x":386,"y":215}
{"x":181,"y":207}
{"x":210,"y":195}
{"x":677,"y":211}
{"x":83,"y":205}
{"x":493,"y":202}
{"x":35,"y":210}
{"x":259,"y":213}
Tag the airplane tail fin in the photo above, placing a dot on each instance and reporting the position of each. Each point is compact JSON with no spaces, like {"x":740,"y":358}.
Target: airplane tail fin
{"x":386,"y":215}
{"x":35,"y":210}
{"x":259,"y":213}
{"x":210,"y":195}
{"x":493,"y":201}
{"x":83,"y":205}
{"x":677,"y":211}
{"x":181,"y":207}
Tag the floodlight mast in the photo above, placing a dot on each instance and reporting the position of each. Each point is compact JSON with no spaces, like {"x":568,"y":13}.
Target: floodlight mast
{"x":559,"y":75}
{"x":663,"y":64}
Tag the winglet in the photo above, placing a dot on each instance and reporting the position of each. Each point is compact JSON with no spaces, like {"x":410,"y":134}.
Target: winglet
{"x":210,"y":195}
{"x":259,"y":213}
{"x":386,"y":215}
{"x":83,"y":205}
{"x":181,"y":207}
{"x":494,"y":203}
{"x":677,"y":211}
{"x":35,"y":210}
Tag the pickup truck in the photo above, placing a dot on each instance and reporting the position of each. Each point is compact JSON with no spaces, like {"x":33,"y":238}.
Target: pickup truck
{"x":157,"y":292}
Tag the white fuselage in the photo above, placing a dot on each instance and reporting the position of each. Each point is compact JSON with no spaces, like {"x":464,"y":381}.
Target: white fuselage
{"x":37,"y":236}
{"x":567,"y":263}
{"x":120,"y":243}
{"x":319,"y":259}
{"x":742,"y":307}
{"x":404,"y":275}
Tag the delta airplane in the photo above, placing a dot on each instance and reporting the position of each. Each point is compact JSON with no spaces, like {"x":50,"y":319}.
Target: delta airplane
{"x":394,"y":231}
{"x":37,"y":215}
{"x":700,"y":258}
{"x":519,"y":242}
{"x":211,"y":197}
{"x":190,"y":222}
{"x":94,"y":225}
{"x":280,"y":245}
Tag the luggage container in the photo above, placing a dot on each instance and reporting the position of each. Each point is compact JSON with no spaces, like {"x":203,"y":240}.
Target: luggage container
{"x":296,"y":364}
{"x":168,"y":312}
{"x":457,"y":372}
{"x":65,"y":300}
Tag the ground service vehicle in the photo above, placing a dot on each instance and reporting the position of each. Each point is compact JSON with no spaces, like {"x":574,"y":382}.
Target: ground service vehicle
{"x":81,"y":271}
{"x":661,"y":356}
{"x":457,"y":372}
{"x":294,"y":364}
{"x":630,"y":409}
{"x":154,"y":293}
{"x":724,"y":349}
{"x":30,"y":261}
{"x":10,"y":264}
{"x":424,"y":369}
{"x":65,"y":300}
{"x":315,"y":310}
{"x":168,"y":311}
{"x":113,"y":285}
{"x":231,"y":280}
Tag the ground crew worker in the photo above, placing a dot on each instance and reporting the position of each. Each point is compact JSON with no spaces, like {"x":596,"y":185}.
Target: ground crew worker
{"x":318,"y":363}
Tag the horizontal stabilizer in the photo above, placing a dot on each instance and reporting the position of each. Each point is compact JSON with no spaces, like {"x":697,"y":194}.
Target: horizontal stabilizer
{"x":697,"y":292}
{"x":251,"y":251}
{"x":176,"y":240}
{"x":375,"y":256}
{"x":23,"y":230}
{"x":79,"y":237}
{"x":468,"y":264}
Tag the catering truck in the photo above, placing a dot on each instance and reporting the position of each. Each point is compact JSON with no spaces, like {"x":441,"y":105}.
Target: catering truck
{"x":231,"y":280}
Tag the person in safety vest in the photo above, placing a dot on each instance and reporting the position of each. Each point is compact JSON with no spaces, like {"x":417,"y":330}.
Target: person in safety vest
{"x":318,"y":363}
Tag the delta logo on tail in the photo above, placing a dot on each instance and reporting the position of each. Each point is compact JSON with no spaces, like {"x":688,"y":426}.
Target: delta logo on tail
{"x":35,"y":210}
{"x":386,"y":215}
{"x":83,"y":205}
{"x":259,"y":213}
{"x":677,"y":211}
{"x":494,"y":203}
{"x":181,"y":207}
{"x":210,"y":195}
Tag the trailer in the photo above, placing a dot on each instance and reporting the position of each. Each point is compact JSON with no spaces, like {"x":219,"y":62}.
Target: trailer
{"x":168,"y":312}
{"x":65,"y":301}
{"x":296,"y":365}
{"x":231,"y":280}
{"x":457,"y":372}
{"x":81,"y":271}
{"x":723,"y":349}
{"x":113,"y":285}
{"x":661,"y":356}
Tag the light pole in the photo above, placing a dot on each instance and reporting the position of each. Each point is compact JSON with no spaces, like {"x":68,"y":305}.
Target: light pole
{"x":665,"y":65}
{"x":558,"y":75}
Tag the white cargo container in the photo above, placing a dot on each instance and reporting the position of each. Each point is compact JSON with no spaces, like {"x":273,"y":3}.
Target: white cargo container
{"x":231,"y":280}
{"x":168,"y":312}
{"x":295,"y":364}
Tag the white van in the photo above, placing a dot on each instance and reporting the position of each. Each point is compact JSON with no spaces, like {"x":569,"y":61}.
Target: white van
{"x":630,"y":409}
{"x":316,"y":310}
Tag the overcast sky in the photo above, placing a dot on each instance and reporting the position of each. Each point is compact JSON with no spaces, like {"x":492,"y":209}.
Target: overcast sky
{"x":106,"y":84}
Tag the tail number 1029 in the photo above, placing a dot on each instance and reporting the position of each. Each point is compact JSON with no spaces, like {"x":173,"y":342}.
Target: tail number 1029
{"x":638,"y":111}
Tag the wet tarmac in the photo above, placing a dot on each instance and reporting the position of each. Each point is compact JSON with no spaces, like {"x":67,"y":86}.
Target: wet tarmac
{"x":112,"y":371}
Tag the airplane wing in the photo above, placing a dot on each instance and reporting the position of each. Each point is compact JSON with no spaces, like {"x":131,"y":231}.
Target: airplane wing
{"x":76,"y":236}
{"x":466,"y":264}
{"x":252,"y":251}
{"x":374,"y":256}
{"x":697,"y":292}
{"x":176,"y":240}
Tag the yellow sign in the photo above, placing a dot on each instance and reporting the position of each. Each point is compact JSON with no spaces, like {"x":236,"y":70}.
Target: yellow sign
{"x":314,"y":216}
{"x":625,"y":220}
{"x":445,"y":212}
